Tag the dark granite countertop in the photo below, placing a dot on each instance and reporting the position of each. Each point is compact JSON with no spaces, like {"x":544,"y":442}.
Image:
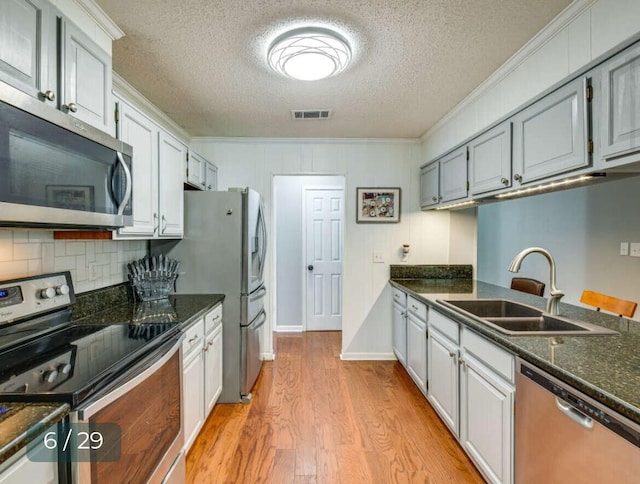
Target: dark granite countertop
{"x":22,"y":422}
{"x":185,"y":308}
{"x":607,"y":368}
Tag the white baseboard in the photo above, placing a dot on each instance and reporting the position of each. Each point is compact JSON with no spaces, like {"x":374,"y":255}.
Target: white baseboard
{"x":268,"y":356}
{"x":288,"y":329}
{"x":367,"y":356}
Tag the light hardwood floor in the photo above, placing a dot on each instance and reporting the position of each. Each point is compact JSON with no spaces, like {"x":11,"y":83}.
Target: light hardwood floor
{"x":317,"y":419}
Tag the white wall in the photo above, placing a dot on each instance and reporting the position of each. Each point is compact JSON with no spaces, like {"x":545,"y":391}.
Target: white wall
{"x":586,"y":31}
{"x":288,"y":193}
{"x":32,"y":252}
{"x":582,"y":228}
{"x":391,"y":163}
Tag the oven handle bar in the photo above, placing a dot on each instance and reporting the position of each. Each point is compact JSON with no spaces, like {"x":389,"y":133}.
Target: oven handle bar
{"x":136,"y":375}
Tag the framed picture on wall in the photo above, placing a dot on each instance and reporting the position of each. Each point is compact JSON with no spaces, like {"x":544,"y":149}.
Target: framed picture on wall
{"x":377,"y":205}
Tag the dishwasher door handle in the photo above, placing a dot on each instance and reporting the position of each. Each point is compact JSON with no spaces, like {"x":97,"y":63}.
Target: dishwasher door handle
{"x":574,"y":414}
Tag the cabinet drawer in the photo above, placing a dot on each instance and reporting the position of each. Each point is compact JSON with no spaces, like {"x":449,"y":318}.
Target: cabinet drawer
{"x":399,"y":297}
{"x":213,"y":319}
{"x":417,"y":308}
{"x":194,"y":336}
{"x":448,"y":328}
{"x":494,"y":357}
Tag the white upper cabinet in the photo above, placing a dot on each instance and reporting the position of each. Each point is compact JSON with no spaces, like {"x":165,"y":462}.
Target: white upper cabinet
{"x":429,"y":184}
{"x":620,"y":106}
{"x":86,"y":73}
{"x":550,"y":136}
{"x":141,"y":133}
{"x":211,"y":177}
{"x":453,"y":175}
{"x":172,"y":156}
{"x":28,"y":48}
{"x":195,"y":173}
{"x":37,"y":50}
{"x":490,"y":160}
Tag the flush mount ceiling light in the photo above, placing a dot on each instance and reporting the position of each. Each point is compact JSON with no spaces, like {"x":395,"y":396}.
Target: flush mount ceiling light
{"x":309,"y":54}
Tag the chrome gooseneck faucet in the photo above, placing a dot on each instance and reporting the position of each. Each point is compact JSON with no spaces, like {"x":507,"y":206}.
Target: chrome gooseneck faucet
{"x":555,"y":294}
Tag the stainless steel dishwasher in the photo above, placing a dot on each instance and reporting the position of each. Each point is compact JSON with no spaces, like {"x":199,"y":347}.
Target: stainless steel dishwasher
{"x":563,"y":436}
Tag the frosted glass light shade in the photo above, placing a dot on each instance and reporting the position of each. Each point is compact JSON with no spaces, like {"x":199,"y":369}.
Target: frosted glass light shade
{"x":309,"y":54}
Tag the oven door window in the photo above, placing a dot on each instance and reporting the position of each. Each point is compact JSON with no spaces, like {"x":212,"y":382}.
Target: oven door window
{"x":44,"y":165}
{"x":149,"y":417}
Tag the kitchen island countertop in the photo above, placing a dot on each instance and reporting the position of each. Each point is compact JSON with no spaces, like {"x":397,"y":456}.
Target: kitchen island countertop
{"x":606,"y":367}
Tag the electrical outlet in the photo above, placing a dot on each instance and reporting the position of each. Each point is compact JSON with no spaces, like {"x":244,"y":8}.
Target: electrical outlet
{"x":378,"y":256}
{"x":635,"y":249}
{"x":92,"y":271}
{"x":624,"y":248}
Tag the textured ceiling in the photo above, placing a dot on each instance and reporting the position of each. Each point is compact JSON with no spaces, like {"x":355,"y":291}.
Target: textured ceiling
{"x":204,"y":63}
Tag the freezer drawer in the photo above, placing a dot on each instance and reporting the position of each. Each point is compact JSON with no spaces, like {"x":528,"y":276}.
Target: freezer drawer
{"x":251,"y":360}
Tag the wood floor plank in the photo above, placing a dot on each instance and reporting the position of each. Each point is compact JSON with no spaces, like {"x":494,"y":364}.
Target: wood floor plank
{"x":315,"y":419}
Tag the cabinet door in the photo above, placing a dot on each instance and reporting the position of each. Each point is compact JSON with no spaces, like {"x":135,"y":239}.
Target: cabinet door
{"x":620,"y":122}
{"x":38,"y":465}
{"x":429,"y":179}
{"x":140,"y":132}
{"x":172,"y":156}
{"x":417,"y":352}
{"x":86,"y":74}
{"x":490,"y":160}
{"x":551,"y":135}
{"x":196,"y":170}
{"x":28,"y":47}
{"x":213,"y":369}
{"x":399,"y":323}
{"x":211,"y":177}
{"x":453,"y":175}
{"x":193,"y":395}
{"x":443,"y":379}
{"x":487,"y":420}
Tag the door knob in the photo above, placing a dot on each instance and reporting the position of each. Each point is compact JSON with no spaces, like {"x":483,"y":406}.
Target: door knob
{"x":310,"y":267}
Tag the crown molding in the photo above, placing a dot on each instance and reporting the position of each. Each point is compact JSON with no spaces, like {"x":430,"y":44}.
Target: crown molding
{"x":256,"y":140}
{"x":125,"y":90}
{"x":561,"y":21}
{"x":93,"y":10}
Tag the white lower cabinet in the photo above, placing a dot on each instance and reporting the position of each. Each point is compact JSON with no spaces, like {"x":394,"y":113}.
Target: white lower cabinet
{"x":201,"y":372}
{"x":399,"y":325}
{"x":417,"y":342}
{"x":29,"y":468}
{"x":487,"y":395}
{"x":443,"y":378}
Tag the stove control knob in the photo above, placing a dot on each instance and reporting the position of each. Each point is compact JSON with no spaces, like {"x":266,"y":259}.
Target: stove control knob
{"x":47,"y":293}
{"x":64,"y":368}
{"x":62,"y":290}
{"x":50,"y":376}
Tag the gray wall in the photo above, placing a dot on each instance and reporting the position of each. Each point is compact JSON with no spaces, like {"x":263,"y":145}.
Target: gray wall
{"x":582,"y":228}
{"x":288,"y":194}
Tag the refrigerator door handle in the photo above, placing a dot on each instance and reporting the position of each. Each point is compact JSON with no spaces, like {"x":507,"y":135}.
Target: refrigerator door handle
{"x":258,"y":294}
{"x":259,"y":321}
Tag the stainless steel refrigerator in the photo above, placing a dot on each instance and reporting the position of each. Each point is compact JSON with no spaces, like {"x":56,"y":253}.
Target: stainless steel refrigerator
{"x":224,"y":251}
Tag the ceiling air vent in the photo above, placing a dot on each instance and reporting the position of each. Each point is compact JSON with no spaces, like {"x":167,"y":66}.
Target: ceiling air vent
{"x":302,"y":114}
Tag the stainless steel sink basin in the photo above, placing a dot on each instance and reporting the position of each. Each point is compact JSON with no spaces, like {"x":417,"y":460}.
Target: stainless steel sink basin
{"x":513,"y":318}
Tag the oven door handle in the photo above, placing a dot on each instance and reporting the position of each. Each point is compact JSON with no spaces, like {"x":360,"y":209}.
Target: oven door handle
{"x":131,"y":378}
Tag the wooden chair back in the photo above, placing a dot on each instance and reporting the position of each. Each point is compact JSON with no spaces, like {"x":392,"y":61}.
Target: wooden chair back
{"x":621,"y":307}
{"x":524,"y":284}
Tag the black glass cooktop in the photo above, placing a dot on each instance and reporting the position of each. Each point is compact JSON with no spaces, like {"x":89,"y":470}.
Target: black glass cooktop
{"x":74,"y":361}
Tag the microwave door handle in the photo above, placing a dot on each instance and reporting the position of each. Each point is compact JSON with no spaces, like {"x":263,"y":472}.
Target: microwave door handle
{"x":127,"y":192}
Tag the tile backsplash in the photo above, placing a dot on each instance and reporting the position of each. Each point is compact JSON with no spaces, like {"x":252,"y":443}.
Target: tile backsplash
{"x":31,"y":252}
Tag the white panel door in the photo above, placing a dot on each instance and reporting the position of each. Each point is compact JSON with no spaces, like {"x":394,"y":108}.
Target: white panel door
{"x":443,"y":379}
{"x":172,"y":155}
{"x":324,"y":222}
{"x":490,"y":160}
{"x":453,"y":175}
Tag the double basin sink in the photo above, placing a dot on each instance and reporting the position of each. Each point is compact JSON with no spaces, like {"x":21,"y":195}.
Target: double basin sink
{"x":514,"y":318}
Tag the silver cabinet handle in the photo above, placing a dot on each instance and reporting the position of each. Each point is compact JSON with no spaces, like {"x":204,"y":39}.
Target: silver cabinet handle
{"x":164,"y":224}
{"x":461,"y":362}
{"x":517,"y":177}
{"x":49,"y":95}
{"x":155,"y":222}
{"x":195,"y":338}
{"x":575,"y":415}
{"x":203,"y":184}
{"x":504,"y":181}
{"x":452,"y":354}
{"x":435,"y":199}
{"x":72,"y":107}
{"x":209,"y":187}
{"x":414,"y":307}
{"x":129,"y":189}
{"x":403,"y":314}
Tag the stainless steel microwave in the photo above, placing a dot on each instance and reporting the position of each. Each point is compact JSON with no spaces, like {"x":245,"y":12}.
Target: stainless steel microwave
{"x":58,"y":172}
